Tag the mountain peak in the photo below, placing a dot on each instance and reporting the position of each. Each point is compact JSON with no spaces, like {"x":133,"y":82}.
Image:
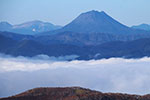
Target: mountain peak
{"x":93,"y":13}
{"x":95,"y":21}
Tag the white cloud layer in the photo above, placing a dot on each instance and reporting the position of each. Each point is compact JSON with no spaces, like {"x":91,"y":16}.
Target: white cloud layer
{"x":106,"y":75}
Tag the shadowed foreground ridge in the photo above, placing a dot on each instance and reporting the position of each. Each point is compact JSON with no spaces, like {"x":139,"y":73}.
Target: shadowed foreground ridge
{"x":72,"y":93}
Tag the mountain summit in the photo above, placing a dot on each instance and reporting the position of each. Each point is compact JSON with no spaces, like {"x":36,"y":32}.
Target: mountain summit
{"x":94,"y":21}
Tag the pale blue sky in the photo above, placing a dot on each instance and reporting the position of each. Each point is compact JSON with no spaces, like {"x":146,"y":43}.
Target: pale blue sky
{"x":61,"y":12}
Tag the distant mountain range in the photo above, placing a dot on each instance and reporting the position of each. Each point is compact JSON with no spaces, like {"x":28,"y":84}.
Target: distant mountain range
{"x":92,"y":35}
{"x":72,"y":93}
{"x":93,"y":28}
{"x":142,"y":27}
{"x":30,"y":28}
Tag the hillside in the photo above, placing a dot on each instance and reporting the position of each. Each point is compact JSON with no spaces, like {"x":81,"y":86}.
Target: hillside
{"x":72,"y":93}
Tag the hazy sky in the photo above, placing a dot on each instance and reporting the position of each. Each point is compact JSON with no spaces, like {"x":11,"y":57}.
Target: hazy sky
{"x":61,"y":12}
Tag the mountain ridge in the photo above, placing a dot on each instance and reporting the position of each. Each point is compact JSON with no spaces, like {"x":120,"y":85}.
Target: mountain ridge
{"x":28,"y":28}
{"x":142,"y":27}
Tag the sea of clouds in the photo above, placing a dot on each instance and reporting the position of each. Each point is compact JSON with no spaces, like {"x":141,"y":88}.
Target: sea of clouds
{"x":18,"y":74}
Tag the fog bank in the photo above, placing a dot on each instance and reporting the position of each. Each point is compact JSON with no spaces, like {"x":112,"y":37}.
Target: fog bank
{"x":106,"y":75}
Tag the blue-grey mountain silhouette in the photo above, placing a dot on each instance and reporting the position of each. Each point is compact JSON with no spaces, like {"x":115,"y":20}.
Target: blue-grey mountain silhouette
{"x":5,"y":26}
{"x":94,"y":21}
{"x":142,"y":27}
{"x":30,"y":28}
